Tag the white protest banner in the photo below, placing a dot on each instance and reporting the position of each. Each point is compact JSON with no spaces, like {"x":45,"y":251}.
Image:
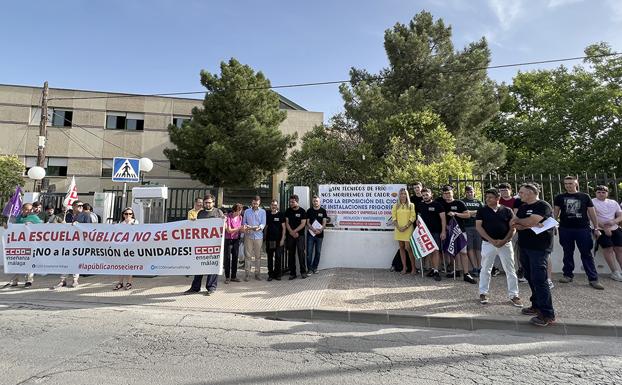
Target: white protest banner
{"x":360,"y":205}
{"x":175,"y":248}
{"x":422,"y":242}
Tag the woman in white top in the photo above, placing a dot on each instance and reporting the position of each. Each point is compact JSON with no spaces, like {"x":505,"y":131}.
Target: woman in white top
{"x":128,"y":219}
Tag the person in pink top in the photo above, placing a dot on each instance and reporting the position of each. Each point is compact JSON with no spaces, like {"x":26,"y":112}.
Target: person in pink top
{"x":233,"y":226}
{"x":609,"y":215}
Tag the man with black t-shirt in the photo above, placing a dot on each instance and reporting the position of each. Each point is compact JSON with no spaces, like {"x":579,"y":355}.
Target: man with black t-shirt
{"x":275,"y":240}
{"x":416,"y":198}
{"x":575,"y":211}
{"x":474,"y":240}
{"x":493,"y":224}
{"x":533,"y":253}
{"x":457,"y":210}
{"x":315,"y":234}
{"x":295,"y":221}
{"x":433,"y":215}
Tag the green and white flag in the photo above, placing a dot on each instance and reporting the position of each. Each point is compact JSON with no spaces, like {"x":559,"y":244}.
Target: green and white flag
{"x":421,"y":241}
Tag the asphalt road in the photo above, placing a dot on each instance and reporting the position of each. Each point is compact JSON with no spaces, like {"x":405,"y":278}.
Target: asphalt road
{"x":41,"y":344}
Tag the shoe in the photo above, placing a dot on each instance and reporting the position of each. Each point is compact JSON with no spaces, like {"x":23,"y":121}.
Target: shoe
{"x":541,"y":321}
{"x":483,"y":299}
{"x":235,"y":280}
{"x":430,"y":273}
{"x":474,"y":273}
{"x":494,"y":272}
{"x":451,"y":274}
{"x":257,"y":277}
{"x":436,"y":275}
{"x":292,"y":277}
{"x":13,"y":284}
{"x":226,"y":281}
{"x":314,"y":271}
{"x":516,"y":302}
{"x":616,"y":276}
{"x":529,"y":311}
{"x":210,"y":292}
{"x":128,"y":286}
{"x":469,"y":279}
{"x":565,"y":279}
{"x":550,"y":282}
{"x":75,"y":283}
{"x":246,"y":278}
{"x":27,"y":285}
{"x":191,"y":291}
{"x":59,"y":285}
{"x":524,"y":280}
{"x":118,"y":286}
{"x":597,"y":285}
{"x":277,"y":278}
{"x":269,"y":279}
{"x":303,"y":276}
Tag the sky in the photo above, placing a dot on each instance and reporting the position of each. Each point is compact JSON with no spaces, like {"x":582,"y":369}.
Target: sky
{"x":160,"y":46}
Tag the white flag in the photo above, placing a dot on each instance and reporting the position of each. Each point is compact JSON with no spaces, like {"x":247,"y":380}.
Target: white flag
{"x":72,"y":193}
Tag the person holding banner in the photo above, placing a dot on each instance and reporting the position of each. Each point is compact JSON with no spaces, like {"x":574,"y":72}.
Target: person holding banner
{"x":493,"y":224}
{"x":128,"y":219}
{"x":404,"y":215}
{"x":432,"y":213}
{"x":25,"y":218}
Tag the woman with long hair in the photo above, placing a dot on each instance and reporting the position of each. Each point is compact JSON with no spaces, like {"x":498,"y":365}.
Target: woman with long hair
{"x":403,"y":216}
{"x":128,"y":218}
{"x":233,"y":227}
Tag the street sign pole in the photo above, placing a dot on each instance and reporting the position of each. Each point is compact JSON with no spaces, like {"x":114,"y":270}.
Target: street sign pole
{"x":124,"y":196}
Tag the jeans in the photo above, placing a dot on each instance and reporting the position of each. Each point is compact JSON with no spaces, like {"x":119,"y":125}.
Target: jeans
{"x":583,"y":239}
{"x":506,"y":255}
{"x":210,"y":283}
{"x":296,"y":245}
{"x":534,"y":263}
{"x":275,"y":257}
{"x":232,"y":247}
{"x":313,"y":260}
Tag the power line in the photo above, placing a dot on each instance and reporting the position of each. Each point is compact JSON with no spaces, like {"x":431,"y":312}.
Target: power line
{"x":312,"y":84}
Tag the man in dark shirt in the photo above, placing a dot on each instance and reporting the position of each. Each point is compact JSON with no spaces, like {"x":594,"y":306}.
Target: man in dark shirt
{"x":315,"y":233}
{"x":533,"y":253}
{"x":416,"y":197}
{"x":433,"y":215}
{"x":76,"y":208}
{"x":275,"y":240}
{"x":295,"y":221}
{"x":457,"y":210}
{"x":573,"y":209}
{"x":474,"y":240}
{"x":211,"y":283}
{"x":493,"y":224}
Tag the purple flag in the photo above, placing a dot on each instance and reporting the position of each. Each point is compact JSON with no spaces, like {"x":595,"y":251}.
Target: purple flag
{"x":455,"y":240}
{"x":14,"y":205}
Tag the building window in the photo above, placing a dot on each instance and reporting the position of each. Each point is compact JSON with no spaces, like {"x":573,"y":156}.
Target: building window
{"x":178,"y":121}
{"x":125,"y":121}
{"x":53,"y":167}
{"x":106,"y":168}
{"x":172,"y":166}
{"x":57,"y":117}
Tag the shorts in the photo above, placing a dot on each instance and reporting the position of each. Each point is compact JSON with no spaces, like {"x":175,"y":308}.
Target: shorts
{"x":437,"y":239}
{"x":614,"y":240}
{"x":474,"y":240}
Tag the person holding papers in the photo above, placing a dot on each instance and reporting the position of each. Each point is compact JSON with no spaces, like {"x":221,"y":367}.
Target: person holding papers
{"x":404,"y":215}
{"x":316,"y":222}
{"x":253,"y":223}
{"x":533,"y":253}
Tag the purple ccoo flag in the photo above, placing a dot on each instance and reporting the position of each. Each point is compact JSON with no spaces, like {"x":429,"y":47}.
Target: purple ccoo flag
{"x":456,"y":239}
{"x":14,"y":205}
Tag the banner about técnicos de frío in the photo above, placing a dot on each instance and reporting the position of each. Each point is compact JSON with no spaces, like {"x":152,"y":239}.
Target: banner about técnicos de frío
{"x":175,"y":248}
{"x":360,"y":205}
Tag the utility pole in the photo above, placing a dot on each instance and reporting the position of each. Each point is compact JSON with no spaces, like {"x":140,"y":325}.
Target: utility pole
{"x":43,"y":133}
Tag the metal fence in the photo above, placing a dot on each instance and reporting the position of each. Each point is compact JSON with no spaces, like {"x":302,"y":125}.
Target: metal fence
{"x":550,"y":184}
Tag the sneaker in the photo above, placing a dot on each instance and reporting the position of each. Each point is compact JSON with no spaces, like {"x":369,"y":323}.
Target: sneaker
{"x":431,"y":273}
{"x":550,"y":282}
{"x":269,"y":279}
{"x":541,"y":321}
{"x":451,"y":274}
{"x":59,"y":285}
{"x":494,"y":272}
{"x":314,"y":271}
{"x":524,"y":280}
{"x":190,"y":291}
{"x":210,"y":292}
{"x":469,"y":279}
{"x":303,"y":276}
{"x":436,"y":275}
{"x":529,"y":311}
{"x":27,"y":285}
{"x":616,"y":276}
{"x":474,"y":273}
{"x":75,"y":283}
{"x":597,"y":285}
{"x":292,"y":277}
{"x":483,"y":299}
{"x":227,"y":281}
{"x":516,"y":302}
{"x":277,"y":278}
{"x":235,"y":280}
{"x":565,"y":279}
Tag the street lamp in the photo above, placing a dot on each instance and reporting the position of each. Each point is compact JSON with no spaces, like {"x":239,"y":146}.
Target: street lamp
{"x":145,"y":165}
{"x":36,"y":173}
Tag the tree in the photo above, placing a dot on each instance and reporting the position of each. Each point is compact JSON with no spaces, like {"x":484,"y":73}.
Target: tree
{"x":564,"y":121}
{"x":234,"y":139}
{"x":11,"y":171}
{"x":428,"y":106}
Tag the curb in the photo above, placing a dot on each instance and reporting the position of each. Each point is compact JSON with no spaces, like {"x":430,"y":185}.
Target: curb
{"x":464,"y":322}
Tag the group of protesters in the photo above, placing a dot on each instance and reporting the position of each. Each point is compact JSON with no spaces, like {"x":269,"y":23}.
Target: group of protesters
{"x":519,"y":232}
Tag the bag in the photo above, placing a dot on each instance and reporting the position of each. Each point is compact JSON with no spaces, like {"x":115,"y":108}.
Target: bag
{"x":396,"y":265}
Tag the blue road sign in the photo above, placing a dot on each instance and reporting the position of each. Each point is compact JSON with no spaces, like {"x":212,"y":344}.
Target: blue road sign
{"x":125,"y":170}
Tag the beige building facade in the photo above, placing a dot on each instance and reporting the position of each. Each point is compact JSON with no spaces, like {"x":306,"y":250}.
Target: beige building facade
{"x":87,"y":129}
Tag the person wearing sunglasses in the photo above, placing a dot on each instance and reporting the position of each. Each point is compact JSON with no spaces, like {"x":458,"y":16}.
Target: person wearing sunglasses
{"x":127,"y":219}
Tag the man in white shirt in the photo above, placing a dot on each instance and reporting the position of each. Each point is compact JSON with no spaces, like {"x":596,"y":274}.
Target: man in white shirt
{"x":609,"y":215}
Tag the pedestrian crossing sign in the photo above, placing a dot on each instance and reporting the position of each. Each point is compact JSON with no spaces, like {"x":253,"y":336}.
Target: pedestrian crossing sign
{"x":125,"y":170}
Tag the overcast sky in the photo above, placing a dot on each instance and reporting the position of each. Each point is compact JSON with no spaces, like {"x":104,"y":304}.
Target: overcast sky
{"x":160,"y":46}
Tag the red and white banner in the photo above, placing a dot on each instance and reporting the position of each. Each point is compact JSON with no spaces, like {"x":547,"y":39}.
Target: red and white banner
{"x":72,"y":193}
{"x":421,"y":241}
{"x":175,"y":248}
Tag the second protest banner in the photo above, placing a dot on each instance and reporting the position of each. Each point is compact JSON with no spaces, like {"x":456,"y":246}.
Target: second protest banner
{"x":175,"y":248}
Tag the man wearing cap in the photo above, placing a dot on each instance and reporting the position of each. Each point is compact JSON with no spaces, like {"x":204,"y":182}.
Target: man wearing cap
{"x":609,"y":216}
{"x":432,"y":213}
{"x":474,"y":240}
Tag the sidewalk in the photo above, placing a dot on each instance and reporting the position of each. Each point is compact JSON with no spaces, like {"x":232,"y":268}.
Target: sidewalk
{"x":361,"y":295}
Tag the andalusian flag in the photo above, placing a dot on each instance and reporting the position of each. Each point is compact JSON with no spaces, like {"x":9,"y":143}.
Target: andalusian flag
{"x":421,"y":241}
